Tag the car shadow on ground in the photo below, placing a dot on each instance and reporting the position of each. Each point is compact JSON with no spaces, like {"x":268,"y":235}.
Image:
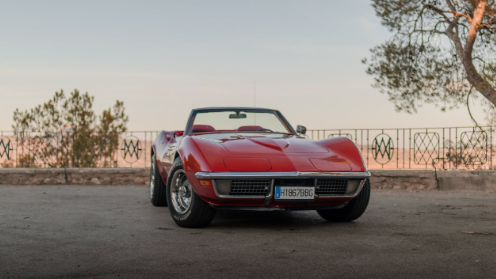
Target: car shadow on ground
{"x":271,"y":220}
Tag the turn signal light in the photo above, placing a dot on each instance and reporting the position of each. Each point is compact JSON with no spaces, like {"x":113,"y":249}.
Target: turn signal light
{"x":205,"y":182}
{"x":353,"y":186}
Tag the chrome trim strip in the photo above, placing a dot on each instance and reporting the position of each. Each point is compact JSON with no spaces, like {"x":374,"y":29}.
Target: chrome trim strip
{"x":231,"y":175}
{"x":268,"y":198}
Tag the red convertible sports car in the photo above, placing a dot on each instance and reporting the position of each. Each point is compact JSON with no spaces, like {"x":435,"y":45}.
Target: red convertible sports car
{"x":252,"y":159}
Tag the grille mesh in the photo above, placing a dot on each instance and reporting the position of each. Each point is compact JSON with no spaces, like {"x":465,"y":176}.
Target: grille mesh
{"x":334,"y":187}
{"x":246,"y":187}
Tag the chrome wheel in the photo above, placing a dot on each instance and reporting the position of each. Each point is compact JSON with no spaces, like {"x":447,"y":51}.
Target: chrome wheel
{"x":180,"y":192}
{"x":152,"y":177}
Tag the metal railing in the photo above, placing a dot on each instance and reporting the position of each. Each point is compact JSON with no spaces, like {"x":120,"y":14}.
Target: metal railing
{"x":420,"y":148}
{"x":73,"y":149}
{"x":401,"y":148}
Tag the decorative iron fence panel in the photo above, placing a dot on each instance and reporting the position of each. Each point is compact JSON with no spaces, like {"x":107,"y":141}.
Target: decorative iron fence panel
{"x":420,"y":148}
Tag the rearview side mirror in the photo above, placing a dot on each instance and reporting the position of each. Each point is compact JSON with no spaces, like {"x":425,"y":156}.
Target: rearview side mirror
{"x":237,"y":116}
{"x":179,"y":133}
{"x":301,"y":129}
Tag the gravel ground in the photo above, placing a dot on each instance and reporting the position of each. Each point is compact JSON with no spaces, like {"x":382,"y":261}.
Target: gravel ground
{"x":114,"y":232}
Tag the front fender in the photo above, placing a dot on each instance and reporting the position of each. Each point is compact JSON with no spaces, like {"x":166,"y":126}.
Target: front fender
{"x":194,"y":161}
{"x":346,"y":149}
{"x":192,"y":157}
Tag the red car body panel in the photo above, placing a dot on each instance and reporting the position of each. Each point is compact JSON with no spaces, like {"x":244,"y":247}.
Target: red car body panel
{"x":240,"y":151}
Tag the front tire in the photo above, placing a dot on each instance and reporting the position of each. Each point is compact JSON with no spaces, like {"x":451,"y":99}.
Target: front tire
{"x":187,"y":209}
{"x":352,"y":211}
{"x":158,"y":195}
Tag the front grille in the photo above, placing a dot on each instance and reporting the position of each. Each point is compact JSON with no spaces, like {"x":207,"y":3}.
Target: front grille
{"x":331,"y":187}
{"x":253,"y":187}
{"x":261,"y":187}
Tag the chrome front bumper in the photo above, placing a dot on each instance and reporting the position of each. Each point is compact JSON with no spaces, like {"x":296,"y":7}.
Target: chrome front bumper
{"x":294,"y":174}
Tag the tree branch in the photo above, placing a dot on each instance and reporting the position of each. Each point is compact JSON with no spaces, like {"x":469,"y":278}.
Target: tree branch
{"x":451,"y":6}
{"x":455,"y":38}
{"x":443,"y":13}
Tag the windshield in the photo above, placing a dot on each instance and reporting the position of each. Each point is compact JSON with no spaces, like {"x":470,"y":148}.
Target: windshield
{"x":238,"y":121}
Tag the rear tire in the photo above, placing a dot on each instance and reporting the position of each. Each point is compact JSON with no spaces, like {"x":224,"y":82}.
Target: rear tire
{"x":158,"y":194}
{"x":352,"y":211}
{"x":187,"y":209}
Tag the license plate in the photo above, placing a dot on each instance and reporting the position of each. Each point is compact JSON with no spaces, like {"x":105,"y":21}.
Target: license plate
{"x":294,"y":193}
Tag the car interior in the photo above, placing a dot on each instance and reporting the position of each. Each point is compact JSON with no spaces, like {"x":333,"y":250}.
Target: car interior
{"x":209,"y":129}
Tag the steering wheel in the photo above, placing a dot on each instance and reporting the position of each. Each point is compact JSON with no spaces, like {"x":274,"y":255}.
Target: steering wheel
{"x":264,"y":130}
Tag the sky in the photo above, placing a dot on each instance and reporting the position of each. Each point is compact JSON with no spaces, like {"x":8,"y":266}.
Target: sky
{"x":164,"y":58}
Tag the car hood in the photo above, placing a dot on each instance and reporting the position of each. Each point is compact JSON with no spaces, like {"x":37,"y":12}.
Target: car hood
{"x":273,"y":152}
{"x":264,"y":143}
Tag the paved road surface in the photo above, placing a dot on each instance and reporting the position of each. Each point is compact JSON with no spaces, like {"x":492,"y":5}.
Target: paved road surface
{"x":114,"y":232}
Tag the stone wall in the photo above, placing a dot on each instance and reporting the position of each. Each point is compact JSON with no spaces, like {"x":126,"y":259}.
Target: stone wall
{"x":473,"y":180}
{"x":477,"y":180}
{"x":381,"y":179}
{"x":403,"y":179}
{"x":74,"y":176}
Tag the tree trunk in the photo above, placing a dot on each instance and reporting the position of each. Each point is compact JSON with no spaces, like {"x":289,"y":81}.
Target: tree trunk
{"x":475,"y":79}
{"x":465,"y":53}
